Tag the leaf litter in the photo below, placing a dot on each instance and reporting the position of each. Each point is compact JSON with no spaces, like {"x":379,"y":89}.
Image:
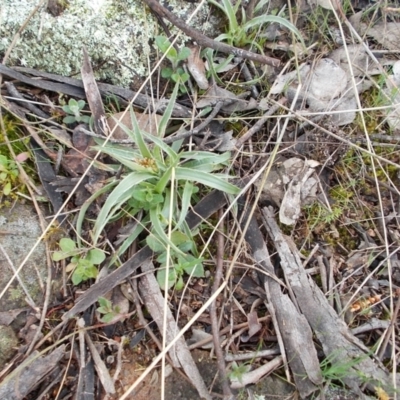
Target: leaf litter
{"x":333,"y":223}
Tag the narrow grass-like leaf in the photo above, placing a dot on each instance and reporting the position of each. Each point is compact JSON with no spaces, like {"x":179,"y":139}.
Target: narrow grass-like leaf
{"x":144,"y":150}
{"x":260,"y":4}
{"x":86,"y":205}
{"x":175,"y":146}
{"x":263,"y":19}
{"x":128,"y":131}
{"x":122,"y":158}
{"x":206,"y":179}
{"x":185,"y":202}
{"x":166,"y":118}
{"x":122,"y":151}
{"x":116,"y":198}
{"x":229,"y":11}
{"x":206,"y":156}
{"x":164,"y":180}
{"x":138,"y":229}
{"x":225,"y":37}
{"x":163,"y":146}
{"x":159,"y":230}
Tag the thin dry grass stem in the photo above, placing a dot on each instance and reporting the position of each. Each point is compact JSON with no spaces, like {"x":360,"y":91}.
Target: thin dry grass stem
{"x":45,"y":302}
{"x":20,"y":281}
{"x":260,"y":123}
{"x":65,"y":374}
{"x":311,"y":255}
{"x":149,"y":331}
{"x":120,"y":351}
{"x":387,"y":334}
{"x":348,"y":142}
{"x":380,"y":265}
{"x":227,"y":329}
{"x":381,"y":207}
{"x":213,"y":309}
{"x":270,"y":306}
{"x":323,"y":274}
{"x":183,"y":134}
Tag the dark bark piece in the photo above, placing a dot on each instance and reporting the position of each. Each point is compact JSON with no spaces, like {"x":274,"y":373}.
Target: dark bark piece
{"x":70,"y":90}
{"x":28,"y":375}
{"x":74,"y":88}
{"x":93,"y":95}
{"x":295,"y":331}
{"x":24,"y":103}
{"x":47,"y":177}
{"x":335,"y":337}
{"x":206,"y":207}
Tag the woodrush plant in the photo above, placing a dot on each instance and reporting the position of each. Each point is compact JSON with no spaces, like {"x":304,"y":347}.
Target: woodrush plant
{"x":157,"y":190}
{"x":240,"y":34}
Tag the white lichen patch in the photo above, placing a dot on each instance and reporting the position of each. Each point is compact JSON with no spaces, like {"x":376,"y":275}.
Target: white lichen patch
{"x":118,"y":35}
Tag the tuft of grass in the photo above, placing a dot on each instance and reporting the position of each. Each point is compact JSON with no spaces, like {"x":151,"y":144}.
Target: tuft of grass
{"x":242,"y":32}
{"x":157,"y":189}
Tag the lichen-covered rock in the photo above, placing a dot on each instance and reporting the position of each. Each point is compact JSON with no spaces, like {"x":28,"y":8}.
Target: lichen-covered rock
{"x":20,"y":229}
{"x":116,"y":33}
{"x":8,"y":343}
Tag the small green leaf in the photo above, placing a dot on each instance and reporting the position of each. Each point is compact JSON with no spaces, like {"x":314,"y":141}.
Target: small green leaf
{"x":69,"y":119}
{"x":107,"y":317}
{"x":58,"y":255}
{"x":67,"y":244}
{"x":154,"y":243}
{"x":162,"y":43}
{"x":178,"y":238}
{"x":7,"y":189}
{"x":104,"y":303}
{"x":81,"y":104}
{"x":192,"y":266}
{"x":95,"y":256}
{"x":73,"y":103}
{"x":84,"y":118}
{"x":76,"y":278}
{"x":161,"y":274}
{"x":185,"y":77}
{"x":66,"y":109}
{"x":3,"y":161}
{"x":179,"y":283}
{"x":184,"y":54}
{"x":91,"y":273}
{"x":167,"y":72}
{"x":176,"y":77}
